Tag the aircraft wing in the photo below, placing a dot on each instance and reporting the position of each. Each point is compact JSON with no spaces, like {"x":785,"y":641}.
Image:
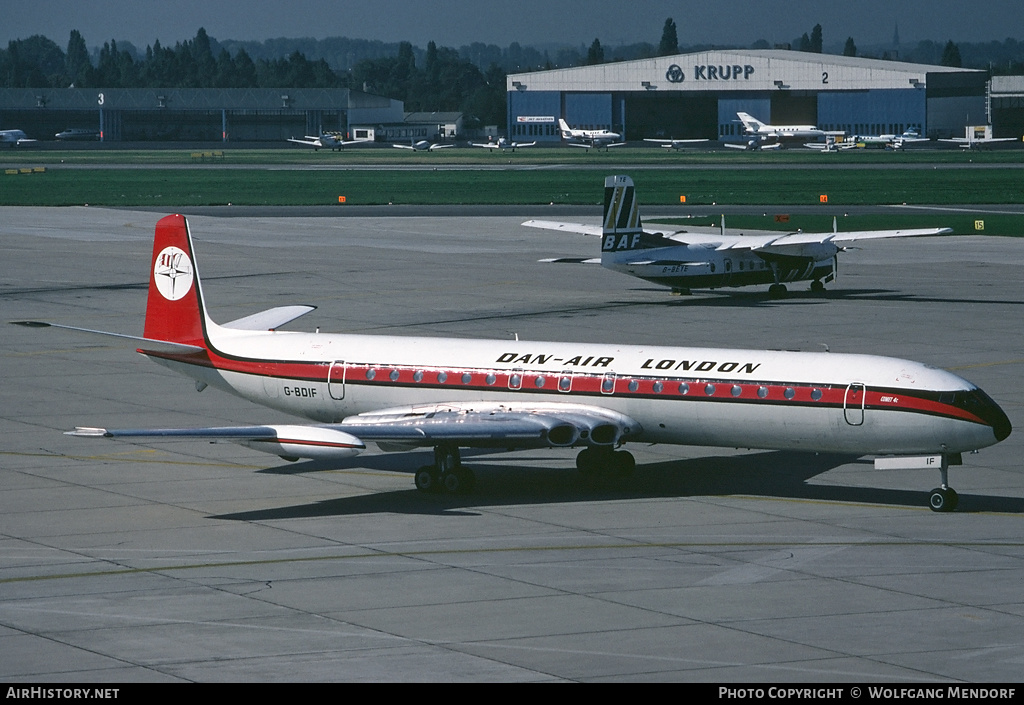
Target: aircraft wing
{"x":566,"y":227}
{"x":877,"y":234}
{"x":308,"y":141}
{"x":403,"y":146}
{"x":477,"y":425}
{"x":440,"y":146}
{"x":573,"y":260}
{"x":709,"y":235}
{"x":794,"y":244}
{"x":672,"y":143}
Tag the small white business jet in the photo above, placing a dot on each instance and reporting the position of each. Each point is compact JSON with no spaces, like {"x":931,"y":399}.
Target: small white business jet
{"x":504,"y":145}
{"x":753,"y":126}
{"x":447,"y":394}
{"x":589,"y":139}
{"x":707,"y":257}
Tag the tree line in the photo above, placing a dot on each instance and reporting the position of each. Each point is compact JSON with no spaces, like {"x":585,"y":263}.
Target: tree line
{"x":470,"y":79}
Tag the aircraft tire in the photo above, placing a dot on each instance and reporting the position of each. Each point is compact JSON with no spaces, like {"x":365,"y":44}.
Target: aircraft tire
{"x":589,"y":462}
{"x":943,"y":499}
{"x":817,"y":286}
{"x":623,"y":463}
{"x":428,"y":479}
{"x":459,"y":481}
{"x":777,"y":291}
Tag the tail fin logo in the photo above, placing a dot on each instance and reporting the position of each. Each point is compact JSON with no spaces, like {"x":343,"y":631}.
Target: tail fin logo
{"x":173,"y":273}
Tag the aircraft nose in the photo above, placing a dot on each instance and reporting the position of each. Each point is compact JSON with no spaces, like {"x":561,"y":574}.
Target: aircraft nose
{"x":994,"y":416}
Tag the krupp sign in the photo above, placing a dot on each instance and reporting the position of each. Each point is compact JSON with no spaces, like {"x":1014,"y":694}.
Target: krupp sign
{"x":711,"y":72}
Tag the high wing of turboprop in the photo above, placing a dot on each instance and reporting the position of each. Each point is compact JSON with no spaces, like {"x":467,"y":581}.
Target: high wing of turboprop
{"x":327,"y":140}
{"x":709,"y":258}
{"x":424,"y":146}
{"x":448,"y":394}
{"x":503,"y":145}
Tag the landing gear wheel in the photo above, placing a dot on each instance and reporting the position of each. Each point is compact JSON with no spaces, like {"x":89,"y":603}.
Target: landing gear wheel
{"x":817,"y":286}
{"x":428,"y":479}
{"x":777,"y":291}
{"x":459,"y":481}
{"x":943,"y":499}
{"x":623,"y":463}
{"x":589,"y":461}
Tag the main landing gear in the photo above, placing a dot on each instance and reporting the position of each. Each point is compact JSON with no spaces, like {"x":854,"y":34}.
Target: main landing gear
{"x":593,"y":461}
{"x":446,"y":474}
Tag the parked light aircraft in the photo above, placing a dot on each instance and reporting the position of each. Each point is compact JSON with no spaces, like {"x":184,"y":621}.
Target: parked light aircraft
{"x":831,"y":145}
{"x":327,"y":140}
{"x":753,"y":126}
{"x":447,"y":394}
{"x":77,"y":133}
{"x":15,"y":138}
{"x":976,"y":137}
{"x":707,"y":257}
{"x":887,"y":141}
{"x":590,"y":138}
{"x":675,"y":144}
{"x":756,"y":143}
{"x":424,"y":146}
{"x":504,"y":145}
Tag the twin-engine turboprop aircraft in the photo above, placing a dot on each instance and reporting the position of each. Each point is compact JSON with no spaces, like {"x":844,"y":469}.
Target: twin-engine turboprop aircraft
{"x":708,"y":258}
{"x":448,"y":394}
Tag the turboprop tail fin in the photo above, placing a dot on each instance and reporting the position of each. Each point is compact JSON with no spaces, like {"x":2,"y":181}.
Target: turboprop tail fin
{"x":621,"y":209}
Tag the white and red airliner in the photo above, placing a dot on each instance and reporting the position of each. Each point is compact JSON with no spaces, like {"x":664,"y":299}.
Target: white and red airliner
{"x":447,"y":394}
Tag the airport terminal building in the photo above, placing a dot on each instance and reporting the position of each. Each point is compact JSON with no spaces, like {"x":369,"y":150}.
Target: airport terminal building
{"x":699,"y":94}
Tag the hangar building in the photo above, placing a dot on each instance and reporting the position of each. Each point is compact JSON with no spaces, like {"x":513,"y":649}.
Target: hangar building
{"x":194,"y":114}
{"x":699,"y":94}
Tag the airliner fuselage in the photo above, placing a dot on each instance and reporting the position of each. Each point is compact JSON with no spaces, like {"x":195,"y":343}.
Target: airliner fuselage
{"x":692,"y":396}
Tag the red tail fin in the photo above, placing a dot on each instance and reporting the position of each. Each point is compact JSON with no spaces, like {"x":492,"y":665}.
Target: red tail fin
{"x":174,"y":310}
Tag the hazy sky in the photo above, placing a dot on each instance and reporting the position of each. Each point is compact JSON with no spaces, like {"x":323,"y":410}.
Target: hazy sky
{"x":457,"y":22}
